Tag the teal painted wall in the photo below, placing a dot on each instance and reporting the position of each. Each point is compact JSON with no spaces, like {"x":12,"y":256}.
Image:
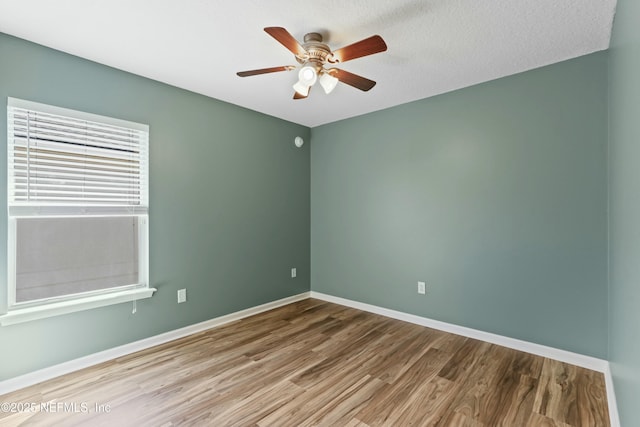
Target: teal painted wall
{"x":229,"y":205}
{"x":624,"y":345}
{"x":495,"y":195}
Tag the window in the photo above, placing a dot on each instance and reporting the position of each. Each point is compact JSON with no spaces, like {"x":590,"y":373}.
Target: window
{"x":77,"y":211}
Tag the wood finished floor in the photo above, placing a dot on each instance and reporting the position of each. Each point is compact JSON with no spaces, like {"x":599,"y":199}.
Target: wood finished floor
{"x":316,"y":363}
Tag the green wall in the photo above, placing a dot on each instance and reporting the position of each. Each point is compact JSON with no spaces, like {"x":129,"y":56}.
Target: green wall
{"x":229,"y":205}
{"x":624,"y":344}
{"x":495,"y":195}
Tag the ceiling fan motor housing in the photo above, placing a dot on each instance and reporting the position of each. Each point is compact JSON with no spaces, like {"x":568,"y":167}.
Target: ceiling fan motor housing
{"x":317,"y":53}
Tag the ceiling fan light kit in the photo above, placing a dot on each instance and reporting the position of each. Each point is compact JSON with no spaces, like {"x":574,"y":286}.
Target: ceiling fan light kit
{"x":301,"y":89}
{"x":313,"y":55}
{"x":328,"y":82}
{"x":307,"y":77}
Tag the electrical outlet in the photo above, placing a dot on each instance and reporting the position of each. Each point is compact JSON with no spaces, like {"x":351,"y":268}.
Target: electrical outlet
{"x":293,"y":273}
{"x":422,"y":288}
{"x":182,"y":295}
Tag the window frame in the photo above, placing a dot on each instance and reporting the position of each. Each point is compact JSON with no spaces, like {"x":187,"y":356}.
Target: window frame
{"x":17,"y":312}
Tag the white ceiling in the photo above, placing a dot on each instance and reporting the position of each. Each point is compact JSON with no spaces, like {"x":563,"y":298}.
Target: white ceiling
{"x":434,"y":46}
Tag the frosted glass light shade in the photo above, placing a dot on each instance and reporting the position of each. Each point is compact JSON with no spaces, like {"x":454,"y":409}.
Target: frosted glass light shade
{"x":328,"y":82}
{"x":301,"y":89}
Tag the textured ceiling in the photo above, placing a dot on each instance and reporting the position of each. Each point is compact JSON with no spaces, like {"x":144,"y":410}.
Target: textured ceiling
{"x":434,"y":46}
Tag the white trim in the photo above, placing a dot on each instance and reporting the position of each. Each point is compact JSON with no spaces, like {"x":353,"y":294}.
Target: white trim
{"x":81,"y":115}
{"x":614,"y":416}
{"x":11,"y":262}
{"x":38,"y":376}
{"x":28,"y":314}
{"x":50,"y":211}
{"x":588,"y":362}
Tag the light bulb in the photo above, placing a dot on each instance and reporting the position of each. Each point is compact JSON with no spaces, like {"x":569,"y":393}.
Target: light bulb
{"x":307,"y":75}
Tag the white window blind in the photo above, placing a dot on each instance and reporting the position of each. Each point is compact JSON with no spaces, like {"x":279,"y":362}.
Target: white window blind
{"x":63,"y":163}
{"x":77,"y":208}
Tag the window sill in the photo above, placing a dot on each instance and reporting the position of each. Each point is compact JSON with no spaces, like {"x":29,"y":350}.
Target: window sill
{"x":65,"y":307}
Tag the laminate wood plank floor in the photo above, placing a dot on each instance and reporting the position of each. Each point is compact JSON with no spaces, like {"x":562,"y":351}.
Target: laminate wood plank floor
{"x":317,"y":363}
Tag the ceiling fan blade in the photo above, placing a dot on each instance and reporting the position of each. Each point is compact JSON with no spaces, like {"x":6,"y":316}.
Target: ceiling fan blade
{"x":265,"y":70}
{"x":297,"y":95}
{"x":351,"y":79}
{"x":286,"y":39}
{"x":369,"y":46}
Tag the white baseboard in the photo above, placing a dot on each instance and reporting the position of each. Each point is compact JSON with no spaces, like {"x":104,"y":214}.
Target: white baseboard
{"x":611,"y":398}
{"x":588,"y":362}
{"x":38,"y":376}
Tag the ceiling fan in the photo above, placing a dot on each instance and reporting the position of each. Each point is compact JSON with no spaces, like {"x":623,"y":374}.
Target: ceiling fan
{"x":313,"y":55}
